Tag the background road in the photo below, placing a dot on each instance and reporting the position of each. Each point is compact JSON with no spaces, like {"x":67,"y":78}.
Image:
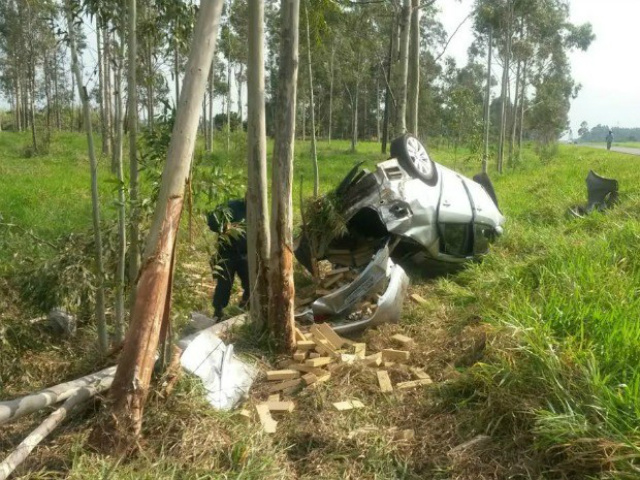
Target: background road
{"x":628,"y":150}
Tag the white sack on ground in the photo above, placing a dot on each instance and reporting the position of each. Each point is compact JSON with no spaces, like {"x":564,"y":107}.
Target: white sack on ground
{"x":226,"y":378}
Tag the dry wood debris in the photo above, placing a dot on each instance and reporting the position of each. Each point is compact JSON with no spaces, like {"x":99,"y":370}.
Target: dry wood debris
{"x":319,"y":351}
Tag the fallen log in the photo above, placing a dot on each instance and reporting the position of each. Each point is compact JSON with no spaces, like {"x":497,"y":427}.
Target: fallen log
{"x":16,"y":408}
{"x":45,"y":428}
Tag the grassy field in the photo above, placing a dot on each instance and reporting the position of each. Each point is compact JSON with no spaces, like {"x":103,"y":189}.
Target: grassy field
{"x":536,"y":347}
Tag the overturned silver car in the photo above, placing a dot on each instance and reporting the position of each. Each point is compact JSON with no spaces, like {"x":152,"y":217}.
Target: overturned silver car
{"x":408,"y":206}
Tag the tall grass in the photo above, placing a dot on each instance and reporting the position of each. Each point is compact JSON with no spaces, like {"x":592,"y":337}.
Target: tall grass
{"x":566,"y":293}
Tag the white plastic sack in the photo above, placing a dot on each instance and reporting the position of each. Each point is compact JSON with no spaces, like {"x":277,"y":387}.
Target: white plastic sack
{"x":226,"y":378}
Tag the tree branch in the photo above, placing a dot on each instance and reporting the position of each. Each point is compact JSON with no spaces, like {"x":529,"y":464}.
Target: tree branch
{"x":451,"y":37}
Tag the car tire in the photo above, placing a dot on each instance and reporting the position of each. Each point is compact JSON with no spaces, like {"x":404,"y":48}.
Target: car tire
{"x":413,"y":157}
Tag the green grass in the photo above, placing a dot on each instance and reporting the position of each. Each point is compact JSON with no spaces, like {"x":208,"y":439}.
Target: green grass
{"x":557,"y":386}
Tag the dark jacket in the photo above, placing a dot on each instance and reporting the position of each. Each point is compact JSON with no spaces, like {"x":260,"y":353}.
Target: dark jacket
{"x":234,"y":211}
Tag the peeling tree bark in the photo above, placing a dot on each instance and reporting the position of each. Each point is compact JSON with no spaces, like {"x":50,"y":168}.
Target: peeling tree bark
{"x":258,"y":238}
{"x":281,"y":308}
{"x":131,"y":383}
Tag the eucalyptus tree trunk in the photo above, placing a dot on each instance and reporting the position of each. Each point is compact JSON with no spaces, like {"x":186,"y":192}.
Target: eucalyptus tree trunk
{"x":414,"y":70}
{"x":55,"y":89}
{"x":487,"y":107}
{"x":523,"y":100}
{"x":514,"y":117}
{"x":203,"y":125}
{"x":503,"y":110}
{"x":176,"y":73}
{"x":401,"y":108}
{"x":211,"y":126}
{"x":239,"y":90}
{"x":101,"y":95}
{"x":377,"y":109}
{"x":108,"y":113}
{"x":314,"y":152}
{"x":47,"y":90}
{"x":32,"y":108}
{"x":258,"y":235}
{"x":103,"y":341}
{"x":387,"y":94}
{"x":17,"y":107}
{"x":281,"y":307}
{"x":331,"y":75}
{"x":153,"y":301}
{"x":122,"y":229}
{"x":132,"y":87}
{"x":303,"y":109}
{"x":229,"y":101}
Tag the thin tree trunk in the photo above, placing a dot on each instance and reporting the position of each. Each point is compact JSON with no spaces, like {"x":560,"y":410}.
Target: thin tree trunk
{"x":103,"y":341}
{"x":32,"y":108}
{"x":365,"y":117}
{"x":331,"y":75}
{"x":108,"y":112}
{"x":503,"y":110}
{"x":387,"y":94}
{"x":47,"y":91}
{"x":176,"y":73}
{"x":55,"y":88}
{"x":11,"y":410}
{"x":211,"y":126}
{"x":239,"y":89}
{"x":487,"y":107}
{"x":122,"y":229}
{"x":101,"y":95}
{"x":314,"y":152}
{"x":229,"y":102}
{"x":17,"y":107}
{"x":44,"y":429}
{"x":523,"y":99}
{"x":303,"y":108}
{"x":401,"y":109}
{"x":132,"y":87}
{"x":258,"y":238}
{"x":281,"y":307}
{"x":73,"y":101}
{"x":413,"y":95}
{"x":377,"y":109}
{"x":514,"y":116}
{"x":153,"y":302}
{"x":203,"y":124}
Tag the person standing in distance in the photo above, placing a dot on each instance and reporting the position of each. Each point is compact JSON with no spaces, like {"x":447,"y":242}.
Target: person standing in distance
{"x":609,"y":139}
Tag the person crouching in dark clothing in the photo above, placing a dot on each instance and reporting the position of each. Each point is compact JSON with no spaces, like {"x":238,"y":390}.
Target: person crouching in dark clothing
{"x":229,"y":222}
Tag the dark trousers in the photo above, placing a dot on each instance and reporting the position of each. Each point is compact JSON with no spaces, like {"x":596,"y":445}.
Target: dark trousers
{"x":228,"y":267}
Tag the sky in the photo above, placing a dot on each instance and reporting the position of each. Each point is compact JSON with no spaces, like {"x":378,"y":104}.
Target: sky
{"x":609,"y":71}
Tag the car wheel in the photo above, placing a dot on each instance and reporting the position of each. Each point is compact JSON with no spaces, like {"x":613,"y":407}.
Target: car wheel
{"x":414,"y":158}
